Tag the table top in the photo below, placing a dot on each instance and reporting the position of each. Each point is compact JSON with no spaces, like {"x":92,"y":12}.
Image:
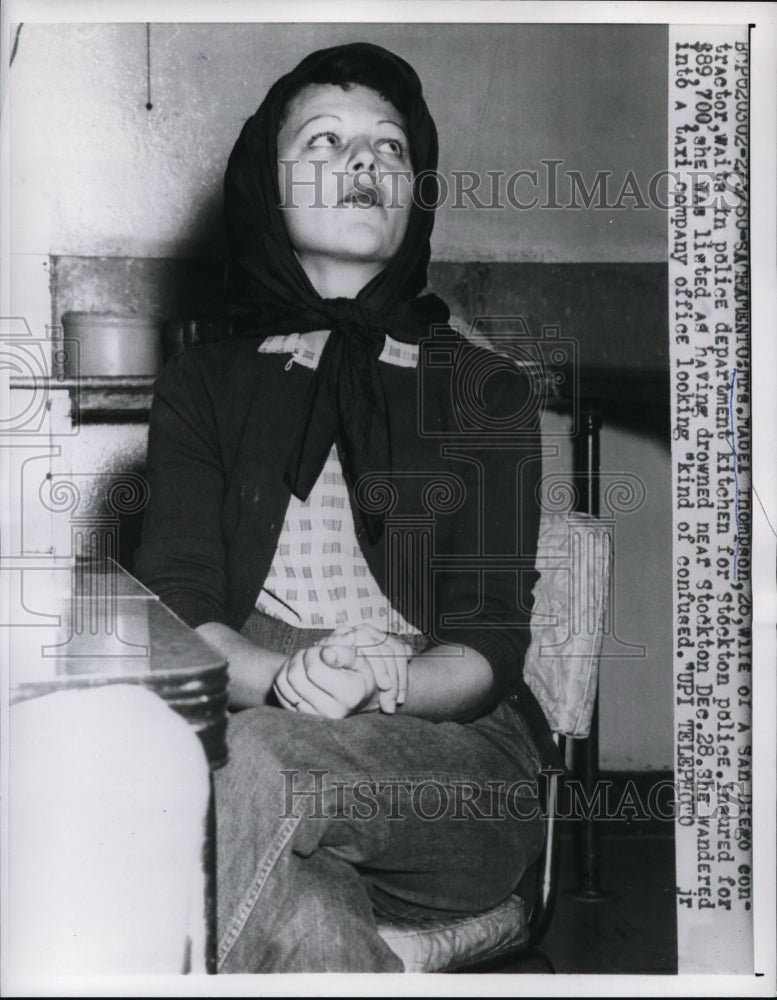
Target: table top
{"x":83,"y":625}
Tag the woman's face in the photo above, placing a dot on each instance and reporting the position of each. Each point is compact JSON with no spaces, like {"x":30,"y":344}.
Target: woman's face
{"x":346,"y":185}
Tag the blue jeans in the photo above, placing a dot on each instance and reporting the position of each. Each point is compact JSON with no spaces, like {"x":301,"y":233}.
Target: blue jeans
{"x":321,"y":823}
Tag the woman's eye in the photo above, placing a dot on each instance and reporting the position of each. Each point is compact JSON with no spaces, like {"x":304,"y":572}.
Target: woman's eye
{"x":323,"y":140}
{"x":392,"y":146}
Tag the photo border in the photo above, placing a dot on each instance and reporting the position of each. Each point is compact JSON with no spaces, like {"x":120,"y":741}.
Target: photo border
{"x":764,"y":414}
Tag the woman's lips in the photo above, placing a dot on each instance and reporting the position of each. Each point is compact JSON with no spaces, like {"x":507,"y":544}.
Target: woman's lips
{"x":368,"y":198}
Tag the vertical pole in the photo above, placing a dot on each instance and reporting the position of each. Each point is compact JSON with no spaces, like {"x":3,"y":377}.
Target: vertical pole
{"x":586,"y":467}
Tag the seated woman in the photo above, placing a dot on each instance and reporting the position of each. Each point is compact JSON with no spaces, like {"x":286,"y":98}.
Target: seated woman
{"x":343,"y":502}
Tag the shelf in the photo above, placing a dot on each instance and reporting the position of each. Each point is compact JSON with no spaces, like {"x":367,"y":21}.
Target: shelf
{"x":621,"y":394}
{"x":100,"y":399}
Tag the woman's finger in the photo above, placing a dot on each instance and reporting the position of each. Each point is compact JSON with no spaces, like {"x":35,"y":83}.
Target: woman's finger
{"x":295,"y":688}
{"x":381,"y":662}
{"x":403,"y":656}
{"x":283,"y":701}
{"x":349,"y":688}
{"x":284,"y":692}
{"x":307,"y":683}
{"x":341,"y":657}
{"x":385,"y":656}
{"x":396,"y":654}
{"x":383,"y":672}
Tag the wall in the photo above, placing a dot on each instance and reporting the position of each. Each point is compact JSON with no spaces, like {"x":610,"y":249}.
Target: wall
{"x":105,"y":176}
{"x":96,"y":175}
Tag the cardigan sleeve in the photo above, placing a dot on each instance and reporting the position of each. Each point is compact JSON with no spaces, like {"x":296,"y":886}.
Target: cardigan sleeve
{"x":486,"y":603}
{"x":182,"y":556}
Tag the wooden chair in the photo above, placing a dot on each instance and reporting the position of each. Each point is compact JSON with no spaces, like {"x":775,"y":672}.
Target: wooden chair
{"x":561,"y":668}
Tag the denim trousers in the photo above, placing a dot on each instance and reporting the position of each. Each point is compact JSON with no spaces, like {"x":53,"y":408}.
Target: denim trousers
{"x":324,"y":823}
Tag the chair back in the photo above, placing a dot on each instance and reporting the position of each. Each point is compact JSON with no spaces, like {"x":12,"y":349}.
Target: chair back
{"x":574,"y":559}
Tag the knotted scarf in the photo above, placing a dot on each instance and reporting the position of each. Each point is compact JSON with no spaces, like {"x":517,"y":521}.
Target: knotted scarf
{"x":269,"y":292}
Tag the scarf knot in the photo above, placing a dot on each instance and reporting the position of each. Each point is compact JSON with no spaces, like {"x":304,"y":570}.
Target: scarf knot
{"x":347,"y":312}
{"x":357,"y":327}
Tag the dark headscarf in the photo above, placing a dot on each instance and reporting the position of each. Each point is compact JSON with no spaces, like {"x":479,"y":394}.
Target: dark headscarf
{"x":269,"y":292}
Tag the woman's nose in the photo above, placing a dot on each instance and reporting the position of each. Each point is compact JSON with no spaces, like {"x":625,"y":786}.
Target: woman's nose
{"x":362,"y":159}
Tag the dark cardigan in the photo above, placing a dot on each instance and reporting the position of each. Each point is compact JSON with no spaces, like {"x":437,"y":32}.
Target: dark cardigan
{"x":223,"y":422}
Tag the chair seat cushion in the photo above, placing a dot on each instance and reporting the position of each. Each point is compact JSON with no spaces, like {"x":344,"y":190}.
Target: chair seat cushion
{"x":435,"y":944}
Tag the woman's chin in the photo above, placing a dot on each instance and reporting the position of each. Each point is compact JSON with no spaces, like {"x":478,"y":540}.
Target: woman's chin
{"x":361,"y":249}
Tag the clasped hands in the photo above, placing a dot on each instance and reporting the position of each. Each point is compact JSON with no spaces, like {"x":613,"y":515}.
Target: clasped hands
{"x":355,"y":669}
